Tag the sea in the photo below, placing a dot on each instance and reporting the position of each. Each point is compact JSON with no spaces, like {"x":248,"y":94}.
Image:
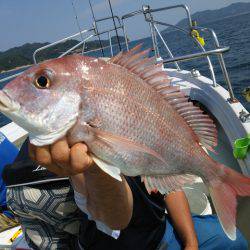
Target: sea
{"x":232,"y":31}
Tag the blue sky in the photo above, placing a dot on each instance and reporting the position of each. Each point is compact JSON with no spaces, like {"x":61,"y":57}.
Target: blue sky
{"x":49,"y":20}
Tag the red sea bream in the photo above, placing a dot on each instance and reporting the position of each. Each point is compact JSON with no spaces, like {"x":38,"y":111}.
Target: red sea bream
{"x":132,"y":119}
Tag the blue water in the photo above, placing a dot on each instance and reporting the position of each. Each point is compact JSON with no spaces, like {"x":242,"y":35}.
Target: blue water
{"x":233,"y":31}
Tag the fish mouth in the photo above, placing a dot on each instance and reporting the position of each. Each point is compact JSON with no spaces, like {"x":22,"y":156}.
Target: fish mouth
{"x":6,"y":104}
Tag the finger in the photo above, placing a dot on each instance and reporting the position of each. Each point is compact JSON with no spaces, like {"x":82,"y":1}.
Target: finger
{"x":32,"y":150}
{"x":60,"y":152}
{"x":79,"y":159}
{"x":61,"y":172}
{"x":43,"y":156}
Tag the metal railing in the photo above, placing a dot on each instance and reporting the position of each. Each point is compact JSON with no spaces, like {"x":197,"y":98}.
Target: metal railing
{"x":210,"y":66}
{"x":76,"y":46}
{"x":57,"y":42}
{"x":10,"y":77}
{"x":197,"y":55}
{"x":82,"y":42}
{"x":148,"y":14}
{"x":221,"y":60}
{"x":96,"y":33}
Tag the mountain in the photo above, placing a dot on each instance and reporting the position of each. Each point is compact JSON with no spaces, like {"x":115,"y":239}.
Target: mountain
{"x":207,"y":16}
{"x":22,"y":55}
{"x":18,"y":56}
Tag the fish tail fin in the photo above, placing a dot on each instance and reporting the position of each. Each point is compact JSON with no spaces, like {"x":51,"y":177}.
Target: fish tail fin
{"x":224,"y":191}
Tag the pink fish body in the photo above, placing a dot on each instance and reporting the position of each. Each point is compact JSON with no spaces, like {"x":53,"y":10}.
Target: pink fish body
{"x":132,"y":120}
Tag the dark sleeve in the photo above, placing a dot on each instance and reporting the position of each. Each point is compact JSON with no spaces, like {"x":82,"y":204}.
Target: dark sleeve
{"x":147,"y":225}
{"x":147,"y":209}
{"x":24,"y":171}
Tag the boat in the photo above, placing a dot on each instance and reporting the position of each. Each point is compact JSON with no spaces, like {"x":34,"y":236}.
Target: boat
{"x":231,"y":117}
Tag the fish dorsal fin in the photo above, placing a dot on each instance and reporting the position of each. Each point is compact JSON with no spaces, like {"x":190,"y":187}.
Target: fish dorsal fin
{"x":137,"y":62}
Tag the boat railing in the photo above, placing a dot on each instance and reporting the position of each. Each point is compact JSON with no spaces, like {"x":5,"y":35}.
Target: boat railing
{"x":83,"y":42}
{"x":10,"y":77}
{"x":116,"y":28}
{"x":192,"y":27}
{"x":78,"y":34}
{"x":147,"y":12}
{"x":110,"y":46}
{"x":220,"y":58}
{"x":51,"y":45}
{"x":196,"y":55}
{"x":96,"y":33}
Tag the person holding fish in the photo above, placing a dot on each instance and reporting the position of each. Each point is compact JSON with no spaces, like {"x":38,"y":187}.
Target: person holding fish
{"x":133,"y":122}
{"x":125,"y":215}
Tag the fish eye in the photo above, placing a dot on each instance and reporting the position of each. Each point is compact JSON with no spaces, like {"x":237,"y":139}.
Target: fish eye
{"x":42,"y":82}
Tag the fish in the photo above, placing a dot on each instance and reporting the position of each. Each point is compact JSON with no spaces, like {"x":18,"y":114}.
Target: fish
{"x":132,"y":118}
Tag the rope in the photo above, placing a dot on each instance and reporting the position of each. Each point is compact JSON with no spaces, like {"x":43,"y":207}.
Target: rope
{"x":77,"y":22}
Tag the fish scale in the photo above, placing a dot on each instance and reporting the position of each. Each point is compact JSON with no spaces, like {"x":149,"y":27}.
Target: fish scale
{"x":150,"y":100}
{"x":114,"y":107}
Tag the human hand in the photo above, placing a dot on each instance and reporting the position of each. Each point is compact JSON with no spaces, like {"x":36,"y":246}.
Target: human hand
{"x":62,"y":159}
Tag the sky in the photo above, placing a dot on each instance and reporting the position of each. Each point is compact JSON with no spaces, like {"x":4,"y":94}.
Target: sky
{"x":23,"y":21}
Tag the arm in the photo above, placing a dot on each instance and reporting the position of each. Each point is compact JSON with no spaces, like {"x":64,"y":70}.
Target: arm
{"x":112,"y":202}
{"x":108,"y":200}
{"x":178,"y":209}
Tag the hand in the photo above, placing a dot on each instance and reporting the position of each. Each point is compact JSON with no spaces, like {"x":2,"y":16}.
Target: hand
{"x":62,"y":159}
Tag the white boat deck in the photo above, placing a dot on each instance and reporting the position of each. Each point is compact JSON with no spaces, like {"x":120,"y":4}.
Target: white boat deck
{"x":215,"y":99}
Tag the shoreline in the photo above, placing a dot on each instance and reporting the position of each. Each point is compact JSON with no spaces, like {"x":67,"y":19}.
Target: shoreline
{"x":16,"y":68}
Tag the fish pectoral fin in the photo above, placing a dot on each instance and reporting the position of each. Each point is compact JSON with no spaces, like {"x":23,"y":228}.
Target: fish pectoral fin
{"x":167,"y":183}
{"x":107,"y":168}
{"x":124,"y":144}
